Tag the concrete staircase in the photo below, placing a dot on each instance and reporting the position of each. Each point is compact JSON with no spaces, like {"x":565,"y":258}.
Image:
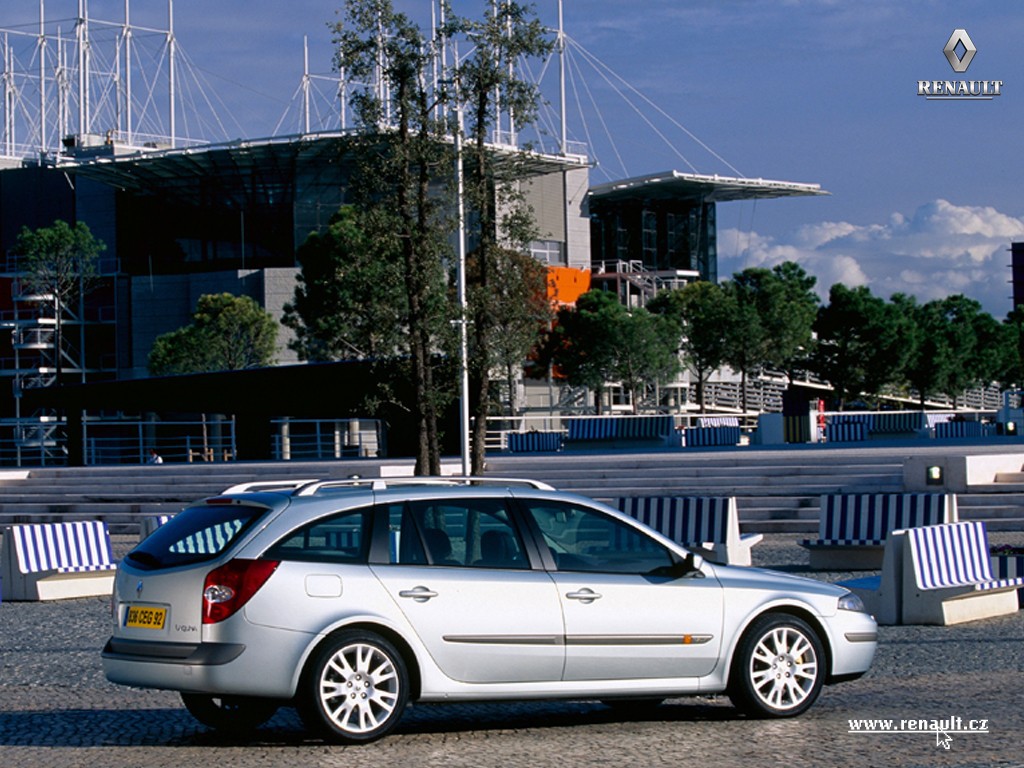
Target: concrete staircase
{"x":777,"y":490}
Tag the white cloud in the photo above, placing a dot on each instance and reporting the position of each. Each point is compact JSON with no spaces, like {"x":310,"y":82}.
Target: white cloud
{"x":940,"y":250}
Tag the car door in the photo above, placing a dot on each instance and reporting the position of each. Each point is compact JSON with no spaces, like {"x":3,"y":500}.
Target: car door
{"x":629,"y":614}
{"x":459,"y":572}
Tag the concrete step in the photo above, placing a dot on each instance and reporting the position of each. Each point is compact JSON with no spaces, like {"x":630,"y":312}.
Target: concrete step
{"x":776,"y":490}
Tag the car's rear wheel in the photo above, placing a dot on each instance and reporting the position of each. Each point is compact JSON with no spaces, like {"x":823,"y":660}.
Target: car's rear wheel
{"x":235,"y":714}
{"x":778,"y":669}
{"x":355,"y":688}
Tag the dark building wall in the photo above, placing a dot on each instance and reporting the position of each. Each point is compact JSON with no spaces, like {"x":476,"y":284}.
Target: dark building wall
{"x":33,"y":198}
{"x":661,"y":234}
{"x":1017,"y":272}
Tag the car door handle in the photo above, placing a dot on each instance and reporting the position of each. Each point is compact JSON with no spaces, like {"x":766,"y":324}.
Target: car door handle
{"x":419,"y":594}
{"x":584,"y":595}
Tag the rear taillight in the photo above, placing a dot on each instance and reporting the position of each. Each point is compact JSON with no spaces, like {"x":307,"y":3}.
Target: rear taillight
{"x":229,"y":587}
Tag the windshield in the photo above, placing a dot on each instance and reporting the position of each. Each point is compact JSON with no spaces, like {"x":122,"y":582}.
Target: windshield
{"x":195,"y":535}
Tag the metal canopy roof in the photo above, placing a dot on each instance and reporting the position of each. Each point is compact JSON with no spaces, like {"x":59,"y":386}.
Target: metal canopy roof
{"x":673,"y":185}
{"x":264,"y":167}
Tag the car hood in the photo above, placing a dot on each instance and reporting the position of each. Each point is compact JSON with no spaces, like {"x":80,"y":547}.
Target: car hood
{"x":762,"y":578}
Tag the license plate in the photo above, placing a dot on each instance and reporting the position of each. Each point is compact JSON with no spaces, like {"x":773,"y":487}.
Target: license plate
{"x":145,"y":617}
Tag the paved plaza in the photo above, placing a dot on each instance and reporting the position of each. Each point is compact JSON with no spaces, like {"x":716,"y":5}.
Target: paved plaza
{"x":57,"y":709}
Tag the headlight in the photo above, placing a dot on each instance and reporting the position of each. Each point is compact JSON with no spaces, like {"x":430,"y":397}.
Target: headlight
{"x":850,"y":602}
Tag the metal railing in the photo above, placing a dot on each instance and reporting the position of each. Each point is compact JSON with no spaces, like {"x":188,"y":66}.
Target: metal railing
{"x":120,"y":441}
{"x":295,"y":439}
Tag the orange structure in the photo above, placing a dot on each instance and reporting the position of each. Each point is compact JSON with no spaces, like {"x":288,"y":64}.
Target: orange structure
{"x":566,"y":284}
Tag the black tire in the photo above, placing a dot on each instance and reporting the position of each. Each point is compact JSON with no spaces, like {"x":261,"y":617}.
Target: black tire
{"x":778,"y":669}
{"x":355,"y":688}
{"x":231,"y":714}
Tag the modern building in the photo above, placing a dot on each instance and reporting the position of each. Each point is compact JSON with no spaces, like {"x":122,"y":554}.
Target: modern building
{"x":181,"y":219}
{"x":659,"y":231}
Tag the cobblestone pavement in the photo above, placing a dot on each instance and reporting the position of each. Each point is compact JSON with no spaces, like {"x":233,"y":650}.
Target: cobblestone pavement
{"x":57,"y":709}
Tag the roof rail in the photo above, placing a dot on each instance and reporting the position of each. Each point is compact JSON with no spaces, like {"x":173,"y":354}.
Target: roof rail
{"x":383,"y":483}
{"x":309,"y":487}
{"x":268,"y":485}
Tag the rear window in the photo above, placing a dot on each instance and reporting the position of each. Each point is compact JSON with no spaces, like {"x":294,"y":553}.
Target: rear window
{"x":195,"y":535}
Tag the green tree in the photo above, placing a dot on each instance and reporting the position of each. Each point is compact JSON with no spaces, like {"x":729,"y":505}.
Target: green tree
{"x":585,"y":341}
{"x":788,"y":317}
{"x":749,"y":340}
{"x":647,"y":353}
{"x":861,"y":342}
{"x":601,"y":342}
{"x":60,"y":262}
{"x":517,"y":310}
{"x":974,"y":341}
{"x":774,"y":312}
{"x":349,"y":303}
{"x":227,"y":333}
{"x":1012,"y":369}
{"x":929,"y":359}
{"x":702,"y":312}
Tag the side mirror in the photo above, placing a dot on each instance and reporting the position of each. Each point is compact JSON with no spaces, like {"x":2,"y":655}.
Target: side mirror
{"x":688,"y":567}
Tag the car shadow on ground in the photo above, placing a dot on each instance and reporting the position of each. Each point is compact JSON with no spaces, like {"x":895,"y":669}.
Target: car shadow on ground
{"x":176,"y":728}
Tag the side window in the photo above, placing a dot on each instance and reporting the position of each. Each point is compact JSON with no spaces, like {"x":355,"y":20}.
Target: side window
{"x":338,"y":539}
{"x":584,"y":539}
{"x":475,"y":533}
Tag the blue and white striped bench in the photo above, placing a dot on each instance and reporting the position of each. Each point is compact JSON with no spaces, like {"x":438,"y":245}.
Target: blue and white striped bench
{"x":951,"y":429}
{"x":708,"y":524}
{"x":938,"y":574}
{"x":619,"y":428}
{"x":528,"y":442}
{"x":599,"y":428}
{"x":846,"y":432}
{"x":896,"y":422}
{"x":852,"y":528}
{"x":52,"y":561}
{"x":150,"y":523}
{"x":718,"y":421}
{"x":697,"y":437}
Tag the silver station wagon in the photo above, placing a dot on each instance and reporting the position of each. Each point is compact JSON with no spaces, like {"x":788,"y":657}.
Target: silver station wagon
{"x":350,"y":599}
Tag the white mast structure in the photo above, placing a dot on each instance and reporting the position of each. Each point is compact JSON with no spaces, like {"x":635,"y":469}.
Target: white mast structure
{"x":172,"y":53}
{"x":563,"y":146}
{"x":128,"y":116}
{"x":41,"y":47}
{"x":84,"y":69}
{"x":305,"y":84}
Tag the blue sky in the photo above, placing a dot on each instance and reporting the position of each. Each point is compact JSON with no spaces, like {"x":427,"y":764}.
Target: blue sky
{"x":924,"y":195}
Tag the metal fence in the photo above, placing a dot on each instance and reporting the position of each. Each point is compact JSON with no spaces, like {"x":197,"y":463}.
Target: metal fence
{"x":43,"y":441}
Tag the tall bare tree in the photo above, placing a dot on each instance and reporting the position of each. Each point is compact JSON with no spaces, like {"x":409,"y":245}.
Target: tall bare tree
{"x":489,"y":85}
{"x":400,"y":154}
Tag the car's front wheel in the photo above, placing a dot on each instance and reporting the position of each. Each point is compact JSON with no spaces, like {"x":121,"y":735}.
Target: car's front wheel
{"x":356,"y":687}
{"x":234,"y":714}
{"x":779,"y":667}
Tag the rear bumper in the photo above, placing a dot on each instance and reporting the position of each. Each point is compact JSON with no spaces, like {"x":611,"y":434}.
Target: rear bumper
{"x":258,"y":667}
{"x":201,"y":654}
